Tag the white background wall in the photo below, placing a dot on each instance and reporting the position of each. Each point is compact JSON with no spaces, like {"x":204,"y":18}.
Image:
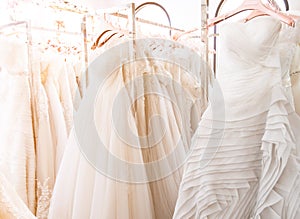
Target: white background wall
{"x":184,"y":14}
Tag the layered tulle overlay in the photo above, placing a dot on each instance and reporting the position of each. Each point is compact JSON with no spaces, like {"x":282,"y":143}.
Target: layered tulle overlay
{"x":144,"y":115}
{"x":244,"y":160}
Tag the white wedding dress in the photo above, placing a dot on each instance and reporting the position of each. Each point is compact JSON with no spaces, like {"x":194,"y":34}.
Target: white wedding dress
{"x":295,"y":78}
{"x":141,"y":187}
{"x":246,"y":163}
{"x":17,"y":148}
{"x":11,"y":205}
{"x":56,"y":83}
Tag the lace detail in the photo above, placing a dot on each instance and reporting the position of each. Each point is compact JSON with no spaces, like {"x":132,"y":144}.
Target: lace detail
{"x":44,"y":196}
{"x":68,"y":113}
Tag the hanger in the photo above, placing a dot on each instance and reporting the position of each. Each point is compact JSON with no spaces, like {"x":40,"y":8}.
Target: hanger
{"x":287,"y":6}
{"x":257,"y":13}
{"x":286,"y":3}
{"x":96,"y":43}
{"x":180,"y":34}
{"x":110,"y":37}
{"x":138,"y":8}
{"x":253,"y":5}
{"x":118,"y":33}
{"x":115,"y":31}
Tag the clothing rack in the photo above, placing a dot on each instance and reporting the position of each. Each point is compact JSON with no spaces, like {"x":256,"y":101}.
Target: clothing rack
{"x":57,"y":31}
{"x":113,"y":12}
{"x":147,"y":22}
{"x":131,"y":18}
{"x":85,"y":35}
{"x":132,"y":29}
{"x":132,"y":25}
{"x":204,"y":37}
{"x":13,"y":24}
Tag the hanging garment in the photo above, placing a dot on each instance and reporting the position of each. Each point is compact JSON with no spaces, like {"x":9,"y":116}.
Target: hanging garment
{"x":244,"y":159}
{"x":81,"y":191}
{"x":17,"y":149}
{"x":56,"y":84}
{"x":290,"y":62}
{"x":143,"y":115}
{"x":45,"y":159}
{"x":295,"y":78}
{"x":53,"y":116}
{"x":279,"y":191}
{"x":11,"y":205}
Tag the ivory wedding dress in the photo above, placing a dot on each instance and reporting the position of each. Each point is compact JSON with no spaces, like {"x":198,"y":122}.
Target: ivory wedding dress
{"x":11,"y":205}
{"x":295,"y":78}
{"x":56,"y":84}
{"x":246,"y":163}
{"x":150,"y":134}
{"x":17,"y":149}
{"x":54,"y":87}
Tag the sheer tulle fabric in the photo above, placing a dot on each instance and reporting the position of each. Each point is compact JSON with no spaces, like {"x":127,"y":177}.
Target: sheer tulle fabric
{"x":90,"y":194}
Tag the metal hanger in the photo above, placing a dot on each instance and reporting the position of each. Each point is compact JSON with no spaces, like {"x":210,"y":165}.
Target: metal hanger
{"x":96,"y":43}
{"x":253,"y":5}
{"x":140,"y":7}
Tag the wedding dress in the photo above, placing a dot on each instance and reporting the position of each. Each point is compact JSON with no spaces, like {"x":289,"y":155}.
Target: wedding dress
{"x":51,"y":96}
{"x":11,"y":205}
{"x":45,"y":156}
{"x":244,"y":158}
{"x":143,"y":115}
{"x":56,"y":84}
{"x":53,"y":116}
{"x":17,"y":149}
{"x":295,"y":78}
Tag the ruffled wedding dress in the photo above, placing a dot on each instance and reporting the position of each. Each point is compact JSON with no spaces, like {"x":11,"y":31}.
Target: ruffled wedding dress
{"x":295,"y":78}
{"x":244,"y":159}
{"x":145,"y":138}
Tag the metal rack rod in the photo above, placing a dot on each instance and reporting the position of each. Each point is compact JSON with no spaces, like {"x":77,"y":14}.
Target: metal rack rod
{"x":31,"y":79}
{"x":56,"y":31}
{"x":13,"y":24}
{"x":147,"y":22}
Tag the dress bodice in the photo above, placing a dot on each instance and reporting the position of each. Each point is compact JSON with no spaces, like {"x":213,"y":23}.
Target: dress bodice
{"x":13,"y":56}
{"x":246,"y":45}
{"x":249,"y":65}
